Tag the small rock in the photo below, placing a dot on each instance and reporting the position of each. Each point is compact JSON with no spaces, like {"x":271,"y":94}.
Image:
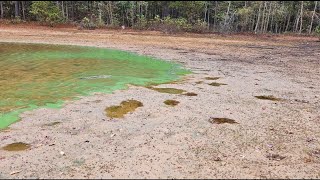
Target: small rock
{"x":275,"y":157}
{"x":309,"y":139}
{"x":86,"y":141}
{"x":15,"y":172}
{"x":317,"y":152}
{"x":112,"y":135}
{"x":62,"y":153}
{"x":307,"y":160}
{"x":270,"y":145}
{"x":217,"y":159}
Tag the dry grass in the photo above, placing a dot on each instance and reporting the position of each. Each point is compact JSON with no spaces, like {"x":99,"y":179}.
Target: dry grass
{"x":212,"y":78}
{"x":19,"y":146}
{"x":216,"y":84}
{"x":124,"y":108}
{"x":222,"y":121}
{"x":190,"y":94}
{"x":171,"y":102}
{"x":168,"y":90}
{"x":271,"y":98}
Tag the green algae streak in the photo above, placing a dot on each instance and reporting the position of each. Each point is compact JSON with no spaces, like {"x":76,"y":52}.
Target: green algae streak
{"x":38,"y":75}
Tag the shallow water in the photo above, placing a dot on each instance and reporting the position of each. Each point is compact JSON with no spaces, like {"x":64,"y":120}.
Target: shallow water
{"x":38,"y":75}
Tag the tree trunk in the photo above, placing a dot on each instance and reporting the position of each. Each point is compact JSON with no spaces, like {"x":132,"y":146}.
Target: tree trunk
{"x":288,"y":22}
{"x":215,"y":15}
{"x":62,"y":7}
{"x":111,"y":13}
{"x":124,"y":11}
{"x":245,"y":27}
{"x":1,"y":9}
{"x":16,"y":9}
{"x":23,"y":10}
{"x":301,"y":16}
{"x":146,"y":11}
{"x":227,"y":15}
{"x":72,"y":10}
{"x":297,"y":23}
{"x":253,"y":22}
{"x":108,"y":13}
{"x":205,"y":12}
{"x":88,"y":7}
{"x":165,"y":9}
{"x":268,"y":18}
{"x":263,"y":16}
{"x":132,"y":14}
{"x":273,"y":18}
{"x":127,"y":18}
{"x":139,"y":10}
{"x":259,"y":14}
{"x":100,"y":12}
{"x":314,"y":11}
{"x":208,"y":17}
{"x":67,"y":13}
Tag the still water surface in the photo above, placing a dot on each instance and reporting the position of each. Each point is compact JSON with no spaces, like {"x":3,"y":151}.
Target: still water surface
{"x":38,"y":75}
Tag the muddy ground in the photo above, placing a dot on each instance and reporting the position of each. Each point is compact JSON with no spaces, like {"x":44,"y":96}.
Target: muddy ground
{"x":270,"y":139}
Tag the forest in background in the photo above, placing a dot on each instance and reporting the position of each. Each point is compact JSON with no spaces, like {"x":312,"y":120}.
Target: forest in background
{"x":172,"y":16}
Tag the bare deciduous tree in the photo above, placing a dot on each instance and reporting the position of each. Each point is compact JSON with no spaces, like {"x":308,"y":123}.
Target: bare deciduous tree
{"x":312,"y":18}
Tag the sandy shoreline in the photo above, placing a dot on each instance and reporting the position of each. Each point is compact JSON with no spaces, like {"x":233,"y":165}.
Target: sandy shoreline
{"x":158,"y":141}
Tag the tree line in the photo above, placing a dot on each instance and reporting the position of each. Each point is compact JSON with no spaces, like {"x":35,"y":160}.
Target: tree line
{"x":170,"y":16}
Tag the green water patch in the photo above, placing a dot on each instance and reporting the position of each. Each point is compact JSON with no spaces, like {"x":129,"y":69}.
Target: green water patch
{"x":171,"y":102}
{"x":270,"y":98}
{"x":222,"y":121}
{"x":19,"y":146}
{"x":39,"y":75}
{"x":124,"y":108}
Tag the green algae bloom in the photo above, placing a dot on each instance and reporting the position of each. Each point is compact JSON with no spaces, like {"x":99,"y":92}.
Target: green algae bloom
{"x":39,"y":75}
